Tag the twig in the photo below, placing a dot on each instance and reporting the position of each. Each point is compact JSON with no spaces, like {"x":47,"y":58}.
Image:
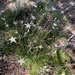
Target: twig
{"x":68,"y":43}
{"x":71,"y":37}
{"x":64,"y":45}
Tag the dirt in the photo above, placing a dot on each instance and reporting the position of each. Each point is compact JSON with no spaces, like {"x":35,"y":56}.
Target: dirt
{"x":10,"y":66}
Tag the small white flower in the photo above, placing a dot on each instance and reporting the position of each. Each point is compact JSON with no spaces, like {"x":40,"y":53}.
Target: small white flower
{"x":28,"y":25}
{"x":34,"y":5}
{"x":56,"y":45}
{"x":45,"y":67}
{"x":55,"y":18}
{"x":21,"y":22}
{"x":0,"y":58}
{"x":67,"y":8}
{"x":43,"y":14}
{"x":15,"y":22}
{"x":58,"y":21}
{"x":35,"y":41}
{"x":41,"y":9}
{"x":39,"y":27}
{"x":53,"y":27}
{"x":40,"y":47}
{"x":3,"y":18}
{"x":16,"y":32}
{"x":3,"y":11}
{"x":33,"y":17}
{"x":72,"y":3}
{"x":12,"y":39}
{"x":62,"y":12}
{"x":21,"y":61}
{"x":55,"y":52}
{"x":32,"y":24}
{"x":7,"y":25}
{"x":42,"y":70}
{"x":26,"y":1}
{"x":54,"y":24}
{"x":63,"y":73}
{"x":53,"y":8}
{"x":47,"y":70}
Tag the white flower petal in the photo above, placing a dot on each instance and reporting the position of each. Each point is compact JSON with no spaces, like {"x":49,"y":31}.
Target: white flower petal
{"x":54,"y":24}
{"x":7,"y":25}
{"x":72,"y":3}
{"x":21,"y":61}
{"x":40,"y":46}
{"x":33,"y":17}
{"x":28,"y":25}
{"x":12,"y":39}
{"x":15,"y":22}
{"x":53,"y":8}
{"x":63,"y":73}
{"x":62,"y":12}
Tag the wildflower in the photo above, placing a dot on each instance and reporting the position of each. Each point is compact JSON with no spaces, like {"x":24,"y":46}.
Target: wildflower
{"x":48,"y":47}
{"x":3,"y":11}
{"x":42,"y":70}
{"x":35,"y":41}
{"x":72,"y":3}
{"x":40,"y":47}
{"x":55,"y":52}
{"x":45,"y":67}
{"x":53,"y":27}
{"x":47,"y":70}
{"x":39,"y":27}
{"x":3,"y":19}
{"x":43,"y":14}
{"x":16,"y":32}
{"x":12,"y":39}
{"x":7,"y":25}
{"x":21,"y":61}
{"x":32,"y":24}
{"x":15,"y":23}
{"x":41,"y":9}
{"x":67,"y":8}
{"x":28,"y":25}
{"x":63,"y":73}
{"x":33,"y":17}
{"x":53,"y":8}
{"x":54,"y":24}
{"x":55,"y":18}
{"x":56,"y":45}
{"x":58,"y":21}
{"x":26,"y":1}
{"x":34,"y":5}
{"x":21,"y":22}
{"x":62,"y":12}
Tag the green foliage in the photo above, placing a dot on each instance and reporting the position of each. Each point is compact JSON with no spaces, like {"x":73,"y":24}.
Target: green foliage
{"x":67,"y":71}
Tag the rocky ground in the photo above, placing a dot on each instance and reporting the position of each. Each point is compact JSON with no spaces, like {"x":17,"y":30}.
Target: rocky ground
{"x":9,"y":64}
